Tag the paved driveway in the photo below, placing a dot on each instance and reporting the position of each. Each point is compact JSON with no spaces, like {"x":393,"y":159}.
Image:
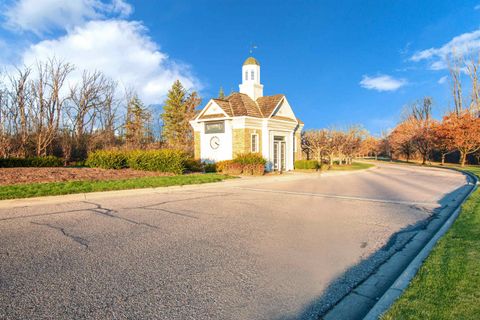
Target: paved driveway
{"x":258,"y":249}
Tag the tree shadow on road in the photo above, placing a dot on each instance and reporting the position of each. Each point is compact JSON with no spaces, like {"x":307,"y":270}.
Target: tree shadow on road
{"x":357,"y":274}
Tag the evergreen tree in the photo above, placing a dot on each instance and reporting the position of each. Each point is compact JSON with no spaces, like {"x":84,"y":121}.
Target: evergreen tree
{"x":178,"y":110}
{"x":137,"y":125}
{"x":221,"y":94}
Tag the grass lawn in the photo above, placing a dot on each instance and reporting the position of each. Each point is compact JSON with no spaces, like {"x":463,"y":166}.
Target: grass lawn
{"x":447,"y":286}
{"x":353,"y":166}
{"x":58,"y":188}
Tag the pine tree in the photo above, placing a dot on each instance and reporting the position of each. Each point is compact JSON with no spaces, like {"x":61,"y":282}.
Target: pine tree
{"x":221,"y":94}
{"x":178,"y":110}
{"x":137,"y":125}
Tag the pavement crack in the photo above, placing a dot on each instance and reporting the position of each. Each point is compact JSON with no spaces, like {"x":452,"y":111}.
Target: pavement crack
{"x":111,"y":214}
{"x":83,"y":242}
{"x":180,"y":200}
{"x":171,"y":212}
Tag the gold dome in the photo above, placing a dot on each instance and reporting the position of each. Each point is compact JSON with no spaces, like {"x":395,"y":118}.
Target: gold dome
{"x":251,"y":60}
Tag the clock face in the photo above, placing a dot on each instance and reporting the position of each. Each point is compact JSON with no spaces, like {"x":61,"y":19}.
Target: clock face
{"x":214,"y":142}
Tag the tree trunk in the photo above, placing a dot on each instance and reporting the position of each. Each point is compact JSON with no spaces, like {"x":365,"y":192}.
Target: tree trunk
{"x":463,"y":158}
{"x":443,"y":159}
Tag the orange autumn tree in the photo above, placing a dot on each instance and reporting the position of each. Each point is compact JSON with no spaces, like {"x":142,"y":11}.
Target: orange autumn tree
{"x":370,"y":146}
{"x":421,"y":124}
{"x":461,"y":131}
{"x":441,"y":141}
{"x":400,"y":140}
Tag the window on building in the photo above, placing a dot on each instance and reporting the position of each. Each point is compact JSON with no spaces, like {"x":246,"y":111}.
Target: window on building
{"x":252,"y":75}
{"x":246,"y":75}
{"x":254,"y":145}
{"x":215,"y":127}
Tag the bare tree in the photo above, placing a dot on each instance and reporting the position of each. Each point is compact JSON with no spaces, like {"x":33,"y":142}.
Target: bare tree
{"x":454,"y":66}
{"x":315,"y":142}
{"x":21,"y":104}
{"x":472,"y":69}
{"x":87,"y":98}
{"x":48,"y":103}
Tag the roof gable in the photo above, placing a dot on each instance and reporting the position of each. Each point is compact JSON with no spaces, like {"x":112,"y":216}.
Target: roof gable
{"x":284,"y":110}
{"x":213,"y":107}
{"x":239,"y":104}
{"x":269,"y":103}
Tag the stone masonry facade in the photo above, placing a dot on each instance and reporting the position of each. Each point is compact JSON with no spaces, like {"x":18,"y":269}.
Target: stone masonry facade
{"x":242,"y":140}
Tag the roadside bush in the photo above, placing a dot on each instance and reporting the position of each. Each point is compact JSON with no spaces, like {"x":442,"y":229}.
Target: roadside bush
{"x":165,"y":160}
{"x":220,"y":165}
{"x":210,"y":167}
{"x":48,"y":161}
{"x":249,"y":158}
{"x":192,"y":165}
{"x":107,"y":159}
{"x":307,"y":164}
{"x":233,"y":168}
{"x":244,"y":163}
{"x":254,"y":169}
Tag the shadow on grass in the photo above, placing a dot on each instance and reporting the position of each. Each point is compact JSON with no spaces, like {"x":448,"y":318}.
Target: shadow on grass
{"x":357,"y":274}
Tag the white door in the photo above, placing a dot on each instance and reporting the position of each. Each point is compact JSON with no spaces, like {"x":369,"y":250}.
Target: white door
{"x":279,"y":153}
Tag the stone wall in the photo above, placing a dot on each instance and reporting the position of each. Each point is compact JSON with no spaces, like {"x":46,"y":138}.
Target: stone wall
{"x":298,"y":143}
{"x":242,"y":140}
{"x":196,"y":139}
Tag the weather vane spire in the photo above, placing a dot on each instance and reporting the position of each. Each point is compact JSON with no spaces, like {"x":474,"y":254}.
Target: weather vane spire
{"x":252,"y":47}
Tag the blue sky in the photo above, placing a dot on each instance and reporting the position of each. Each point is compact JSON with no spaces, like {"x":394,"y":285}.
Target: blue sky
{"x":338,"y":62}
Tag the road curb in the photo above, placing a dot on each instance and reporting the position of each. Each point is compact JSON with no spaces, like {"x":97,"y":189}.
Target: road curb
{"x":402,"y":282}
{"x":375,"y":294}
{"x":47,"y":200}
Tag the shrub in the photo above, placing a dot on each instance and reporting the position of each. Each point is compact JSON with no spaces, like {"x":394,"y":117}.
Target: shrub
{"x":220,"y":165}
{"x":249,"y":158}
{"x":233,"y":168}
{"x":254,"y":169}
{"x":192,"y":165}
{"x":307,"y":164}
{"x":48,"y":161}
{"x":107,"y":159}
{"x":165,"y":160}
{"x":210,"y":167}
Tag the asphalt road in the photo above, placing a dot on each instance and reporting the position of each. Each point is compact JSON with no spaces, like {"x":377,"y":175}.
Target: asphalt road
{"x":262,"y":249}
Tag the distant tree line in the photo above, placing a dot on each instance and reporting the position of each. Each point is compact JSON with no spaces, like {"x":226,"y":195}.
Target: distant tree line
{"x":417,"y":136}
{"x":457,"y":134}
{"x":42,"y":114}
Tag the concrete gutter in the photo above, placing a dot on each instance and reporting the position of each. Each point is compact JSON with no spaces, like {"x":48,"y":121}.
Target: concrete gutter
{"x":402,"y":282}
{"x":374,"y":295}
{"x":47,"y":200}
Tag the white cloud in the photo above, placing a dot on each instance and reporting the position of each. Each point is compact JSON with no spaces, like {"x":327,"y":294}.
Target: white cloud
{"x":442,"y":80}
{"x":120,"y":49}
{"x":41,"y":16}
{"x":382,"y":83}
{"x":461,"y":45}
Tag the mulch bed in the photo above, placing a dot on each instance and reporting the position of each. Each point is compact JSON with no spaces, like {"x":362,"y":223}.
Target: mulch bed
{"x":9,"y":176}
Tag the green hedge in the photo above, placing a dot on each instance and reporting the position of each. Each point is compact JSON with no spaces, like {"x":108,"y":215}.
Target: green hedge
{"x":249,"y":158}
{"x":307,"y":164}
{"x":48,"y":161}
{"x":107,"y":159}
{"x":193,"y":165}
{"x":164,"y":160}
{"x":245,"y":163}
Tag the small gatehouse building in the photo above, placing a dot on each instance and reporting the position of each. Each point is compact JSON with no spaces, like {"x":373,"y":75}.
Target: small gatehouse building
{"x":247,"y":121}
